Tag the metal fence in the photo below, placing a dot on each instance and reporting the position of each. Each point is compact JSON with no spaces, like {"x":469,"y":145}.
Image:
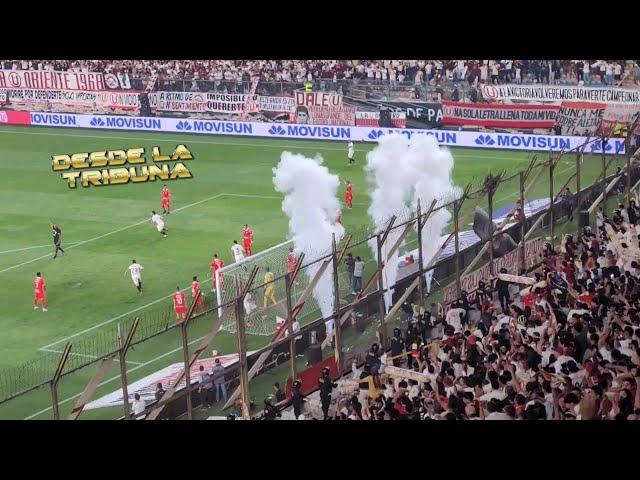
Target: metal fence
{"x":357,"y":320}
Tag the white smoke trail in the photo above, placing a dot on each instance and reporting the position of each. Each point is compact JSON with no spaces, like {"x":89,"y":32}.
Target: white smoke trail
{"x":392,"y":181}
{"x":311,"y":204}
{"x":432,"y":166}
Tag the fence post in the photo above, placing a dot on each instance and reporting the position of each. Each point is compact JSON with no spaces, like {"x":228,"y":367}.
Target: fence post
{"x":604,"y":178}
{"x":551,"y":215}
{"x":336,"y":307}
{"x":522,"y":224}
{"x":628,"y":180}
{"x":187,"y":370}
{"x":457,"y":204}
{"x":381,"y":304}
{"x":420,"y":253}
{"x":579,"y":157}
{"x":492,"y":229}
{"x":242,"y":353}
{"x":292,"y":340}
{"x":56,"y":379}
{"x":122,"y":353}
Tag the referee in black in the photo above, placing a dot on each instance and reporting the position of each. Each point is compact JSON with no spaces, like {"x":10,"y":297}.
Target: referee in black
{"x":57,"y":239}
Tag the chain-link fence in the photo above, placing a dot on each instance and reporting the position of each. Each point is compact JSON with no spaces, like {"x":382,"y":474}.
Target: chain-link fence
{"x":102,"y":361}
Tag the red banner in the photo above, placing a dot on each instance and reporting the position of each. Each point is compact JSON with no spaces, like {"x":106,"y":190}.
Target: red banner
{"x":508,"y":116}
{"x":15,"y":118}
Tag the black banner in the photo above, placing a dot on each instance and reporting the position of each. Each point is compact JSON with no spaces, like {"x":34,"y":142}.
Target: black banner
{"x":419,"y":114}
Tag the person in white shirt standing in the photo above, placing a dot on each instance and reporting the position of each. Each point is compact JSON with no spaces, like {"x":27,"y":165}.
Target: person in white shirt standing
{"x":138,"y":406}
{"x":350,"y":153}
{"x":158,"y":221}
{"x":237,"y":251}
{"x":136,"y":275}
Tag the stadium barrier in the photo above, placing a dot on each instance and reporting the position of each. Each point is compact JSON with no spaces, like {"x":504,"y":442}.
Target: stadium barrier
{"x":362,"y":319}
{"x":449,"y":138}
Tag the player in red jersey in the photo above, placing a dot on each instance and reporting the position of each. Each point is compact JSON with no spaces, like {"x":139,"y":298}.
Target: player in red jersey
{"x":247,"y":239}
{"x":292,"y":263}
{"x":179,"y":305}
{"x":195,"y":288}
{"x":165,"y":201}
{"x":348,"y":195}
{"x":216,"y":264}
{"x":39,"y":289}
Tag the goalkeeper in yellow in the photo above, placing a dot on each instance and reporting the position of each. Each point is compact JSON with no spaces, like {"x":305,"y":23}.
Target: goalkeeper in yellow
{"x":269,"y":289}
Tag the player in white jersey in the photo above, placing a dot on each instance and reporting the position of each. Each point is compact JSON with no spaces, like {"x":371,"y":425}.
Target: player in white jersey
{"x":158,"y":221}
{"x":136,"y":274}
{"x":237,"y":251}
{"x":350,"y":153}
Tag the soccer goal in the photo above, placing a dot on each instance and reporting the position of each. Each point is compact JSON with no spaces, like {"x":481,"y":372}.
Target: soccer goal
{"x":263,"y":319}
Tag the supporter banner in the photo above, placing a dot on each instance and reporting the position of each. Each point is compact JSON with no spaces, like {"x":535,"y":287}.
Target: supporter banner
{"x":146,"y":387}
{"x":318,"y":99}
{"x":491,"y":115}
{"x":579,"y":118}
{"x":220,"y":103}
{"x":121,"y":80}
{"x":372,"y":119}
{"x":45,"y":79}
{"x":552,"y":93}
{"x":510,"y":261}
{"x":428,"y":114}
{"x":491,"y":140}
{"x":342,"y":115}
{"x":621,"y":113}
{"x":107,"y":99}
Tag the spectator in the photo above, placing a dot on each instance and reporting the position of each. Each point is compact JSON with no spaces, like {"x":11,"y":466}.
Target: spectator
{"x":349,"y":263}
{"x":139,"y":406}
{"x":358,"y":269}
{"x":205,"y":387}
{"x":220,"y":387}
{"x":159,"y":392}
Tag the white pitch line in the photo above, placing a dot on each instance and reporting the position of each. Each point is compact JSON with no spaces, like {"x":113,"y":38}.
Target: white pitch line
{"x":116,"y":377}
{"x":92,"y":357}
{"x":235,"y":144}
{"x":108,"y":234}
{"x":31,"y":248}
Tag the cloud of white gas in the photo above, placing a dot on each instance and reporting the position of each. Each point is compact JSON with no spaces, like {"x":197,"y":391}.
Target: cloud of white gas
{"x":401,"y":171}
{"x":312,"y":205}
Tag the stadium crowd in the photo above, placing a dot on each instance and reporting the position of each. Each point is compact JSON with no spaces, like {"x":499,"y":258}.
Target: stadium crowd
{"x":565,"y":348}
{"x":429,"y":72}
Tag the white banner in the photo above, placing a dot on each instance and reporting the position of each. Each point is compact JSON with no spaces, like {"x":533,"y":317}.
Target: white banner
{"x":491,"y":140}
{"x":75,"y":98}
{"x":220,"y":102}
{"x":45,"y":79}
{"x":580,"y":118}
{"x":557,"y":94}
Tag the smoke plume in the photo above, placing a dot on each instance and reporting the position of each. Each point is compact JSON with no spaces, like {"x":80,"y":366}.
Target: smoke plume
{"x":311,"y":204}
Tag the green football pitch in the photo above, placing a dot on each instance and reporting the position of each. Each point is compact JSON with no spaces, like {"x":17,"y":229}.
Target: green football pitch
{"x":105,"y":227}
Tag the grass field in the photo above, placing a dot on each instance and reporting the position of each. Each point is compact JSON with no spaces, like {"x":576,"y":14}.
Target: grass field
{"x":105,"y":227}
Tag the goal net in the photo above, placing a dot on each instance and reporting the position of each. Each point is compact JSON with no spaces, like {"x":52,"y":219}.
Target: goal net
{"x":263,"y":319}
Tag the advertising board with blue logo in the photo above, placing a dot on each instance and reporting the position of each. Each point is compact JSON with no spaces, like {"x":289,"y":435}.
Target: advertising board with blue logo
{"x":452,"y":138}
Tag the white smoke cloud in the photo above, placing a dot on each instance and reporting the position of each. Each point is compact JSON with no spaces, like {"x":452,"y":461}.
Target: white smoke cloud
{"x":311,"y":204}
{"x":392,"y":181}
{"x":432,"y":166}
{"x":403,"y":170}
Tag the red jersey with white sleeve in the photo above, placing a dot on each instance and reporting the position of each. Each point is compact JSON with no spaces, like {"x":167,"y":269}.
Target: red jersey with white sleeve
{"x":178,"y":302}
{"x":195,"y":288}
{"x":292,"y":262}
{"x":38,"y":287}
